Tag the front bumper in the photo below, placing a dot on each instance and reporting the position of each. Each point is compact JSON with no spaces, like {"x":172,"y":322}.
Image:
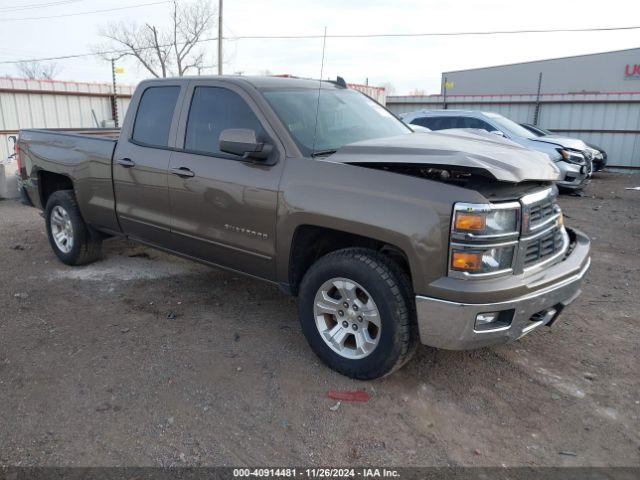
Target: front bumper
{"x":451,"y":324}
{"x":572,"y":176}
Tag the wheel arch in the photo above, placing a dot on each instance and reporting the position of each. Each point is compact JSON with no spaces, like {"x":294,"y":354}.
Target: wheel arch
{"x":50,"y":182}
{"x":311,"y":242}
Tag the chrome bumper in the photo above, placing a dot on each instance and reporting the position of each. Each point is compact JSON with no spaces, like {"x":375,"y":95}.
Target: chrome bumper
{"x":451,"y":325}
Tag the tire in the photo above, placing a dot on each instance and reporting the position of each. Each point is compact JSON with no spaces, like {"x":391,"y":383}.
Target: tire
{"x":377,"y":278}
{"x":78,"y":244}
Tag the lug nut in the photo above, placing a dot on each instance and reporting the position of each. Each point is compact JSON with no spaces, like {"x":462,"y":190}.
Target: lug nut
{"x":355,"y":307}
{"x":341,"y":313}
{"x":360,"y":318}
{"x":346,"y":305}
{"x":345,"y":324}
{"x":354,"y":326}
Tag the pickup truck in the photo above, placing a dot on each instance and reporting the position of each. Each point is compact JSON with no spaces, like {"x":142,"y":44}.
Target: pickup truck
{"x":387,"y":237}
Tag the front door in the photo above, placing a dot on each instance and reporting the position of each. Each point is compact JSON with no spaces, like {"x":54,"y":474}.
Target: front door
{"x":140,"y":167}
{"x":223,"y":207}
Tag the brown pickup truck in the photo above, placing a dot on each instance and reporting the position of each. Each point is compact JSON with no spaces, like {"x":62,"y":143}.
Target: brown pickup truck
{"x":386,"y":236}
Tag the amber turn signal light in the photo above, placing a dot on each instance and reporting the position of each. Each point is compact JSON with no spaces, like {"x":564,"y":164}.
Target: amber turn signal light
{"x":466,"y":261}
{"x":470,"y":221}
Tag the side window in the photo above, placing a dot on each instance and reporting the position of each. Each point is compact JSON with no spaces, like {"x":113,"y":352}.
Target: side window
{"x":214,"y":109}
{"x":424,"y":122}
{"x":445,"y":123}
{"x":471,"y":122}
{"x":154,"y":116}
{"x":433,"y":123}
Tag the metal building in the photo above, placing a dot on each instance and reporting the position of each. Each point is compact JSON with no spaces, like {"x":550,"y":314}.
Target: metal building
{"x":617,"y":71}
{"x":28,"y":103}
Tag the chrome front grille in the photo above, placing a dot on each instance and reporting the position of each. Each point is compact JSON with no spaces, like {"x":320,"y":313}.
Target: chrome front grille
{"x":544,"y":238}
{"x":543,"y":247}
{"x":540,"y":212}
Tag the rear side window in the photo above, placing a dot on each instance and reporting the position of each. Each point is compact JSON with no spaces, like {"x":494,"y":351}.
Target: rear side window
{"x":214,"y":109}
{"x":471,"y":122}
{"x":437,"y":123}
{"x":427,"y":122}
{"x":154,"y":116}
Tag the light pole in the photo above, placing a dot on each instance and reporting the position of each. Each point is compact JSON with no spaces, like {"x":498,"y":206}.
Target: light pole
{"x":219,"y":37}
{"x":114,"y":98}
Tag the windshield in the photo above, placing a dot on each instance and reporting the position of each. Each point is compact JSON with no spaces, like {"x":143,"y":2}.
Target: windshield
{"x":344,"y":116}
{"x":538,"y":131}
{"x":544,"y":131}
{"x":510,"y":127}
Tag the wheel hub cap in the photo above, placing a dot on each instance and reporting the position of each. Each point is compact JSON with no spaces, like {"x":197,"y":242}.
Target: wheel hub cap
{"x":61,"y":229}
{"x":347,"y":318}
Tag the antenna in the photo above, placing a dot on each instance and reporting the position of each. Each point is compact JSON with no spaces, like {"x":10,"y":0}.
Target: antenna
{"x":315,"y":128}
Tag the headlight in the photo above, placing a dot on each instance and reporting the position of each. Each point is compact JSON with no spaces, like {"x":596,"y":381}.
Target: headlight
{"x":478,"y":260}
{"x":471,"y":220}
{"x":483,"y":238}
{"x":572,"y":156}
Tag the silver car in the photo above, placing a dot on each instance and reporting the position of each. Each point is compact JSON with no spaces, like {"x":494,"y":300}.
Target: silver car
{"x":568,"y":153}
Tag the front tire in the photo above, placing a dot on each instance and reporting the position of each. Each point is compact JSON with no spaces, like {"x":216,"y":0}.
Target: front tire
{"x":357,"y":313}
{"x":73,"y":242}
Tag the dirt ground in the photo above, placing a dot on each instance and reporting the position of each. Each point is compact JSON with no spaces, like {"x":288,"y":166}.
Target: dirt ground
{"x":146,"y":359}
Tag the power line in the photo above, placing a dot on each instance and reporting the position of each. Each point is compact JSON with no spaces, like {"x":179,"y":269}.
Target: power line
{"x":302,"y":37}
{"x":38,"y":5}
{"x":82,"y":13}
{"x":435,"y":34}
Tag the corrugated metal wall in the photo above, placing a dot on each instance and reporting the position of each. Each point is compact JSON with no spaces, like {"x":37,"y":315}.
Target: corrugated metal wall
{"x":54,"y":104}
{"x":609,"y":120}
{"x":379,"y":94}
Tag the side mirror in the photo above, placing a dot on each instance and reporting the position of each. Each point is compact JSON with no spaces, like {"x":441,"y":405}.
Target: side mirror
{"x":498,"y":132}
{"x":243,"y":142}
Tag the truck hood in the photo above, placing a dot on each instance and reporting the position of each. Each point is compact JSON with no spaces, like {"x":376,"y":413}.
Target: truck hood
{"x":565,"y":142}
{"x":462,"y":149}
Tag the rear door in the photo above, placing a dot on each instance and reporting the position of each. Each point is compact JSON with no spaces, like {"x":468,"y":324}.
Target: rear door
{"x":141,"y":163}
{"x":223,"y":207}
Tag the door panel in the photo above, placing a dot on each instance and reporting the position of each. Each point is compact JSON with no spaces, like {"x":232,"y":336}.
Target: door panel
{"x":140,"y":167}
{"x":141,"y":191}
{"x":225,"y":211}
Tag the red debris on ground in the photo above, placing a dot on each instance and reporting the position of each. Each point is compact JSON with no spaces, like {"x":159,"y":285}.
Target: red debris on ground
{"x":347,"y":396}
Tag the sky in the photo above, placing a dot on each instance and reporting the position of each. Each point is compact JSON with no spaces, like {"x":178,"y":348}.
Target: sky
{"x":408,"y":64}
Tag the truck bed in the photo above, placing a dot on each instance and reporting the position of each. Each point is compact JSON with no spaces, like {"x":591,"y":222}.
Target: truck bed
{"x":84,"y":156}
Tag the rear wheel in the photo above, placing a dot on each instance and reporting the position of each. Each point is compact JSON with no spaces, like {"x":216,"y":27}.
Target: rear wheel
{"x":357,"y":313}
{"x":73,"y":242}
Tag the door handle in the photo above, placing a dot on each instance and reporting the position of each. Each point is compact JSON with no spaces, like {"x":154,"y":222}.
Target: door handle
{"x":183,"y":172}
{"x":126,"y":162}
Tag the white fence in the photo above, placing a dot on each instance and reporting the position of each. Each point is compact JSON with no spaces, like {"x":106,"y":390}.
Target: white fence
{"x":609,"y":120}
{"x":55,"y":104}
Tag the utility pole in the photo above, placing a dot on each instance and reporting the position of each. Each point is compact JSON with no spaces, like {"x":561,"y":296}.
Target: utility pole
{"x":444,"y":94}
{"x":536,"y":113}
{"x":114,"y":97}
{"x":219,"y":37}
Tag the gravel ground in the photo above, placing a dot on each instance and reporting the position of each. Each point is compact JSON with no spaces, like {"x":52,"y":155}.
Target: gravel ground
{"x":146,"y":359}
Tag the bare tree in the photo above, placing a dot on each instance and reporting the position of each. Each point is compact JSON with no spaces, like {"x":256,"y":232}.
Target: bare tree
{"x":418,"y":92}
{"x":164,"y":51}
{"x":36,"y":70}
{"x":389,"y":88}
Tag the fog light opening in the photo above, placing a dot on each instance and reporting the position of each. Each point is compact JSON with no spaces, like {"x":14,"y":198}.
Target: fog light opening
{"x":493,"y":321}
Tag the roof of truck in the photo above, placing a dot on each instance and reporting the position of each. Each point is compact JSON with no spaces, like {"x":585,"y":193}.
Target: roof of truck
{"x":266,"y":82}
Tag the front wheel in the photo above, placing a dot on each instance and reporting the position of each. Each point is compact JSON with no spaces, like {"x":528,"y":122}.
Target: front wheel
{"x":357,"y":314}
{"x":71,"y":239}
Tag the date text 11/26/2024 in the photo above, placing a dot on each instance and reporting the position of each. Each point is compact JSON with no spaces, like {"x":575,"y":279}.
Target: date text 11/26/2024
{"x":317,"y":472}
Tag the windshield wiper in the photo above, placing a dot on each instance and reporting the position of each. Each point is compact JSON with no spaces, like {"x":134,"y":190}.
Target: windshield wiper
{"x":321,"y":153}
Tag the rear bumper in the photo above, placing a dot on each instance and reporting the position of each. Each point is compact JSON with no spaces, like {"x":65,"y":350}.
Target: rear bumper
{"x":451,"y":325}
